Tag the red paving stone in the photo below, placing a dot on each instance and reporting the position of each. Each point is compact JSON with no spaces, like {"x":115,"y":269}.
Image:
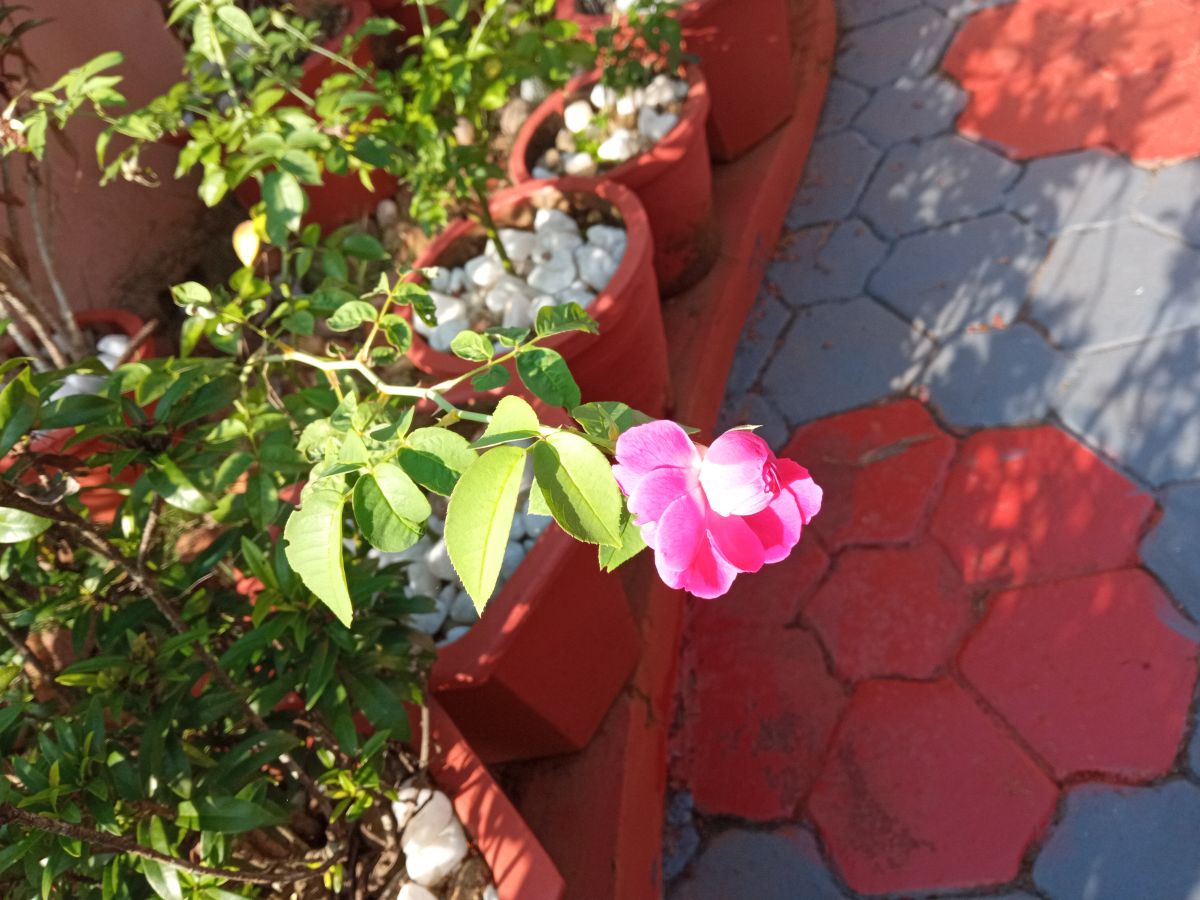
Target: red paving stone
{"x":1096,"y":673}
{"x":891,"y":612}
{"x":1049,"y":76}
{"x":880,"y":468}
{"x":1034,"y":504}
{"x":761,"y":708}
{"x":923,"y":791}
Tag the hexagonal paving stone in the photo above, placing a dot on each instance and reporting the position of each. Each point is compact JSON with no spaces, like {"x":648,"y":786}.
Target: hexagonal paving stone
{"x":843,"y":100}
{"x":757,"y":719}
{"x":855,"y":13}
{"x":881,"y":469}
{"x":1020,"y":506}
{"x":910,"y":109}
{"x":1169,"y":551}
{"x":994,"y":377}
{"x":1119,"y":843}
{"x":761,"y":330}
{"x":1169,"y":202}
{"x":783,"y":864}
{"x":842,"y":355}
{"x":909,"y":45}
{"x":1096,"y":673}
{"x":1075,"y":190}
{"x":1141,"y":404}
{"x":891,"y":612}
{"x":975,"y":272}
{"x":935,"y":182}
{"x":923,"y":791}
{"x":825,"y":262}
{"x":1112,"y":285}
{"x":837,"y":169}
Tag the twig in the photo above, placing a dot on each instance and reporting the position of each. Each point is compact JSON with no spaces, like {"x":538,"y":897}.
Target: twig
{"x":139,"y":337}
{"x":70,"y":328}
{"x":26,"y":819}
{"x":13,"y":302}
{"x":15,"y":328}
{"x":148,"y":533}
{"x":424,"y":760}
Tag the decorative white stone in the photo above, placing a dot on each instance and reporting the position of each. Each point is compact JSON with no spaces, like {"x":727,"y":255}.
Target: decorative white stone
{"x":112,"y":344}
{"x":445,"y":332}
{"x":458,"y":280}
{"x":76,"y":385}
{"x":518,"y":313}
{"x":490,"y":892}
{"x":575,"y":294}
{"x":387,"y":213}
{"x":513,"y":554}
{"x":408,"y":799}
{"x":595,"y":266}
{"x":542,"y":172}
{"x":578,"y":116}
{"x":429,"y":622}
{"x":109,"y":360}
{"x":518,"y":527}
{"x":484,"y":271}
{"x":441,"y":280}
{"x":518,"y":243}
{"x":552,"y":242}
{"x":618,"y":146}
{"x":414,"y":891}
{"x":447,"y":307}
{"x":579,"y":164}
{"x":554,"y":275}
{"x":630,"y":102}
{"x":612,"y":239}
{"x":462,"y":609}
{"x":433,"y":841}
{"x":660,"y":91}
{"x":421,"y":580}
{"x":438,"y":562}
{"x":453,"y":634}
{"x":423,"y":328}
{"x":553,"y":220}
{"x":533,"y":90}
{"x":541,"y":302}
{"x":602,"y":96}
{"x":654,"y":125}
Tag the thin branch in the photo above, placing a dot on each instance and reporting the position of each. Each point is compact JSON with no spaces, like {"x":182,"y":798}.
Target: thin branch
{"x":15,"y":327}
{"x":119,"y":844}
{"x":140,"y":337}
{"x":148,"y":533}
{"x":70,"y":328}
{"x":49,"y":348}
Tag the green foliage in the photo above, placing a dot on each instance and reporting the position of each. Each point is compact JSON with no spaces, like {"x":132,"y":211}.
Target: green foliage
{"x":646,"y":43}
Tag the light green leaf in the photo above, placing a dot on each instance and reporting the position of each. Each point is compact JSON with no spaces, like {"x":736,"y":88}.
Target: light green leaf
{"x":578,"y":484}
{"x":389,"y":508}
{"x":512,"y":414}
{"x":285,"y":201}
{"x":16,"y":525}
{"x":631,"y":545}
{"x":472,"y":345}
{"x":170,"y":482}
{"x":568,"y":317}
{"x":230,"y":815}
{"x":496,"y":376}
{"x":545,"y":372}
{"x":18,"y":407}
{"x":314,"y":547}
{"x":302,"y":165}
{"x":239,"y":24}
{"x":480,"y":516}
{"x":435,"y":458}
{"x":350,"y":315}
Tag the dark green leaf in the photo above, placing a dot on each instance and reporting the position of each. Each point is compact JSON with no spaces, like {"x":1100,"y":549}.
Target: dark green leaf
{"x":568,"y":317}
{"x":350,"y":315}
{"x":545,"y":372}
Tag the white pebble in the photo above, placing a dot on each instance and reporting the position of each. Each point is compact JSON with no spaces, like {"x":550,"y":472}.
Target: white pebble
{"x":518,"y":527}
{"x":578,"y":116}
{"x":438,"y":561}
{"x":387,"y":213}
{"x":551,"y":242}
{"x":518,"y":313}
{"x":408,"y":799}
{"x":541,"y":302}
{"x":484,"y":271}
{"x":545,"y":220}
{"x":109,"y":360}
{"x":554,"y":275}
{"x":542,"y":172}
{"x":490,"y":892}
{"x":580,"y":165}
{"x":423,"y":328}
{"x":75,"y":385}
{"x":447,"y":307}
{"x":660,"y":91}
{"x":413,"y":891}
{"x":458,"y":280}
{"x":518,"y":243}
{"x":596,"y":267}
{"x":428,"y":622}
{"x":441,"y":280}
{"x":445,"y":332}
{"x":602,"y":96}
{"x":514,"y":553}
{"x":433,"y":841}
{"x":654,"y":125}
{"x":611,"y":238}
{"x":462,"y":609}
{"x":533,"y":90}
{"x":421,"y":581}
{"x":575,"y":294}
{"x":112,"y":344}
{"x":630,"y":102}
{"x":453,"y":634}
{"x":618,"y":147}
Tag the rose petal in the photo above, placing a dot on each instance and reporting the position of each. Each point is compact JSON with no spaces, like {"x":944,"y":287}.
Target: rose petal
{"x":680,"y":531}
{"x":778,"y":526}
{"x":738,"y":474}
{"x":795,"y":478}
{"x":655,"y":445}
{"x":657,"y":490}
{"x":709,"y":575}
{"x":736,"y":542}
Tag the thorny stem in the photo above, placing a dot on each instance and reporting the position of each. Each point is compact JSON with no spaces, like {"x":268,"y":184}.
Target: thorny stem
{"x":70,"y":329}
{"x":26,"y":819}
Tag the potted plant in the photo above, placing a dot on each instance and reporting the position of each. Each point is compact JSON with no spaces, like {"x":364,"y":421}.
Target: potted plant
{"x":639,"y":120}
{"x":744,"y":50}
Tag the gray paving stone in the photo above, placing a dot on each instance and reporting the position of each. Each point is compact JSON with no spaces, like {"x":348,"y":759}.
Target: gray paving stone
{"x":753,"y":409}
{"x":1140,"y":403}
{"x":1169,"y":551}
{"x":1111,"y":285}
{"x":825,"y":262}
{"x":959,"y":9}
{"x":1172,"y":200}
{"x":1019,"y":895}
{"x":854,"y":13}
{"x":908,"y":45}
{"x":1193,"y":751}
{"x":1123,"y":843}
{"x":839,"y":356}
{"x":911,"y":109}
{"x":975,"y":272}
{"x":996,"y":377}
{"x":761,"y":330}
{"x":838,"y":168}
{"x":935,"y":182}
{"x":681,"y":840}
{"x":843,"y":101}
{"x":783,"y":864}
{"x":1076,"y":190}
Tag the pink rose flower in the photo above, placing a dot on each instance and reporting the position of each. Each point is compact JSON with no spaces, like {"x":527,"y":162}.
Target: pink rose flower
{"x":710,"y":513}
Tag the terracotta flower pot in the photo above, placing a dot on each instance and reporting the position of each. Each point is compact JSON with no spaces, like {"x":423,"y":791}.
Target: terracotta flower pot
{"x":538,"y":671}
{"x":627,"y":361}
{"x":673,"y":180}
{"x":95,"y":494}
{"x":745,"y":53}
{"x":338,"y":199}
{"x":521,"y":868}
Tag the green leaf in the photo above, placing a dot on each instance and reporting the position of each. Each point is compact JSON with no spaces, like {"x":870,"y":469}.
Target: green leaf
{"x":81,"y":409}
{"x":350,"y":315}
{"x":545,"y":372}
{"x":389,"y":508}
{"x":170,"y":482}
{"x":285,"y":201}
{"x":496,"y":376}
{"x":631,"y":545}
{"x":239,"y":25}
{"x":568,"y":317}
{"x":191,"y":293}
{"x":435,"y":458}
{"x":363,"y":246}
{"x":607,"y":420}
{"x":18,"y":407}
{"x":302,"y":165}
{"x":577,"y":482}
{"x":472,"y":345}
{"x":16,"y":525}
{"x":480,"y":516}
{"x":314,"y":547}
{"x":213,"y":186}
{"x":512,"y":414}
{"x":229,"y":815}
{"x":300,"y":322}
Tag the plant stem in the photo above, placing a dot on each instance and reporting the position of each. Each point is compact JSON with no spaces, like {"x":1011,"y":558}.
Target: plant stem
{"x":11,"y":301}
{"x":68,"y":325}
{"x":489,"y":226}
{"x":15,"y":328}
{"x":26,"y":819}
